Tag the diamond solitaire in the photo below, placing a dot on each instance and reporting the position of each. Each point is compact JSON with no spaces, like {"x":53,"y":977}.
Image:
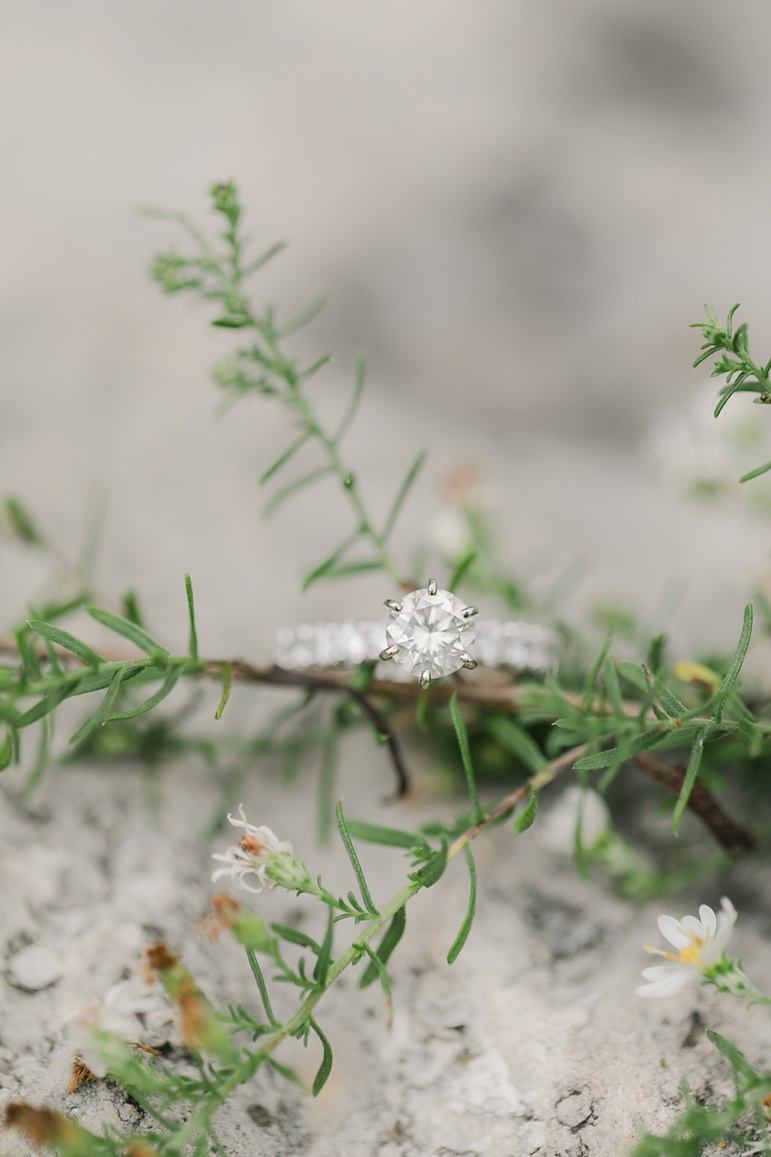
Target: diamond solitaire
{"x":429,"y":633}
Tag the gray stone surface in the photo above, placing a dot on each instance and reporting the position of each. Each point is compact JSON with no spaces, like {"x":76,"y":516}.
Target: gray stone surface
{"x":517,"y":208}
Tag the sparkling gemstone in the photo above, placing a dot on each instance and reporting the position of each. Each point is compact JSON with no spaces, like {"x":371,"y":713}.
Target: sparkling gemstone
{"x":431,"y":633}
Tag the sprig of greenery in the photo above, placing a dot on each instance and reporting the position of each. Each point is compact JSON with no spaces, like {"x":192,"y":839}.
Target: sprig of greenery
{"x":218,"y":273}
{"x":700,"y":1124}
{"x":730,"y":348}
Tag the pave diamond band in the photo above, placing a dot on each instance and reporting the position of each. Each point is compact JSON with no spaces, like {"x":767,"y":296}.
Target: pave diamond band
{"x":518,"y":646}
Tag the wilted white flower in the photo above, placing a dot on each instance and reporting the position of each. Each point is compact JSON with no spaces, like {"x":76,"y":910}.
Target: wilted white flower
{"x":128,"y":1011}
{"x":261,"y":853}
{"x":556,"y":831}
{"x":700,"y":946}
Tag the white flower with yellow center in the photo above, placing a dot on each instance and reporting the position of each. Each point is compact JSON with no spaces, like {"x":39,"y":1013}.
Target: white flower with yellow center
{"x":700,"y":952}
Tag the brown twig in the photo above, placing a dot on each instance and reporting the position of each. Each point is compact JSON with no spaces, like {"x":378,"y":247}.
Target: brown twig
{"x":736,"y":840}
{"x":493,"y":696}
{"x":562,"y":763}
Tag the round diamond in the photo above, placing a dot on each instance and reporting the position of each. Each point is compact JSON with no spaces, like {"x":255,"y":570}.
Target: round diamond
{"x":431,"y":633}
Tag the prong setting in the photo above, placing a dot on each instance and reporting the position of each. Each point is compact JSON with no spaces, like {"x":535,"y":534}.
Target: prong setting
{"x":390,"y":652}
{"x":469,"y":612}
{"x":425,"y":679}
{"x":467,"y":661}
{"x":394,"y":605}
{"x":433,"y":586}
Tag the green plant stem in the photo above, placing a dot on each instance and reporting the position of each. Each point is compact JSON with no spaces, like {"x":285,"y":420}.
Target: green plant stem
{"x":246,"y":1070}
{"x":300,"y":403}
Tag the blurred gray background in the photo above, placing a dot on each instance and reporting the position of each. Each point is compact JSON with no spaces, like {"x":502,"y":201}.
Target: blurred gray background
{"x":515,"y":207}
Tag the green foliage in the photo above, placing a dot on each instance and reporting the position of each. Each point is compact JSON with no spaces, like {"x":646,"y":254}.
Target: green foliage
{"x":701,"y":1125}
{"x":218,"y":272}
{"x":600,"y":714}
{"x":730,"y":348}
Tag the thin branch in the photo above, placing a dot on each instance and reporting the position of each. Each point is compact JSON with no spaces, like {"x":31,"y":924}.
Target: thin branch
{"x":502,"y":697}
{"x":563,"y":763}
{"x":736,"y":839}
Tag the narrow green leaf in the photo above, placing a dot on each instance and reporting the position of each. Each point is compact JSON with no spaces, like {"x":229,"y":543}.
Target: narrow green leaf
{"x":43,"y":707}
{"x":404,"y":490}
{"x":527,"y":817}
{"x":64,"y":639}
{"x":350,"y":568}
{"x":193,"y":645}
{"x":101,"y":713}
{"x":294,"y":936}
{"x":284,"y":458}
{"x":323,"y":569}
{"x":263,"y":259}
{"x":694,"y":762}
{"x":104,"y":676}
{"x":21,"y":523}
{"x":390,"y":837}
{"x":668,"y":700}
{"x":166,"y":688}
{"x":516,"y":741}
{"x":325,"y":955}
{"x":462,"y":567}
{"x":348,"y":842}
{"x":303,"y":318}
{"x":128,"y":630}
{"x":434,"y":869}
{"x":41,"y":760}
{"x":634,"y":746}
{"x":591,"y":679}
{"x":385,"y":980}
{"x":392,"y":936}
{"x":732,"y":674}
{"x":633,"y":673}
{"x":6,"y":750}
{"x":293,"y":487}
{"x":468,"y":919}
{"x":751,"y":736}
{"x":311,"y":370}
{"x":465,"y":754}
{"x":613,"y":689}
{"x":727,"y":393}
{"x":231,"y":322}
{"x":226,"y":673}
{"x":130,"y":607}
{"x":756,"y":473}
{"x":254,"y":964}
{"x":353,"y":405}
{"x":737,"y":1060}
{"x":287,"y":1073}
{"x":325,"y":1068}
{"x":27,"y":653}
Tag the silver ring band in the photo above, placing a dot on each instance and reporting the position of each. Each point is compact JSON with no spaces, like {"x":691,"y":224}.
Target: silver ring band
{"x":516,"y":646}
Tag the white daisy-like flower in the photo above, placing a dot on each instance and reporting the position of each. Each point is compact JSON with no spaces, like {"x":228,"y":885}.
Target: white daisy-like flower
{"x":252,"y":855}
{"x":700,"y":945}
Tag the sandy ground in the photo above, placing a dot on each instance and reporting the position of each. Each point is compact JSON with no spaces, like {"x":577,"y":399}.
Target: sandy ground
{"x":517,"y":211}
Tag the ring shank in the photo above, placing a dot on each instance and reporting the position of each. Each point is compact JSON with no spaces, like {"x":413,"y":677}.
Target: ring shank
{"x":517,"y":645}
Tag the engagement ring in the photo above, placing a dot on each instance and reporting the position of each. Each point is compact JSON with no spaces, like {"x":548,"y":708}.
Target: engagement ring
{"x":429,"y":633}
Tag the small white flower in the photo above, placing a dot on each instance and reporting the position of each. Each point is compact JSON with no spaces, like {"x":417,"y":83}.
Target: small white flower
{"x":128,"y":1011}
{"x":700,"y":946}
{"x":556,"y":831}
{"x":253,"y":854}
